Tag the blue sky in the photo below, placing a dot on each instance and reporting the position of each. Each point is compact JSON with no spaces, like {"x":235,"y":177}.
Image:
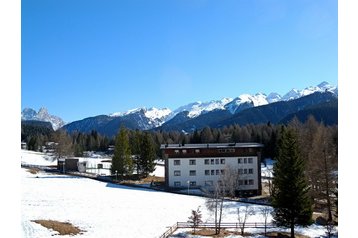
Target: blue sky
{"x":85,"y":58}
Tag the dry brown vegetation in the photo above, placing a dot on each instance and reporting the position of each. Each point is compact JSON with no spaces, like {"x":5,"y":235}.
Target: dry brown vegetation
{"x":146,"y":180}
{"x":63,"y":228}
{"x":283,"y":235}
{"x":211,"y":233}
{"x":33,"y":170}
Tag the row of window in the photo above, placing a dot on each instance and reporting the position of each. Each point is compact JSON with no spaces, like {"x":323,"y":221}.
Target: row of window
{"x":214,"y":161}
{"x":178,"y":184}
{"x":215,"y":172}
{"x":185,"y":151}
{"x":217,"y":161}
{"x":226,"y":150}
{"x":210,"y":183}
{"x":245,"y":160}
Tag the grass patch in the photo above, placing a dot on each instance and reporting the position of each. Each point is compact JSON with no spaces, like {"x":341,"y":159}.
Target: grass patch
{"x":63,"y":228}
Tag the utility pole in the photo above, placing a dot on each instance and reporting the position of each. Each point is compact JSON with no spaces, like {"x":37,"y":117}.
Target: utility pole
{"x":188,"y":182}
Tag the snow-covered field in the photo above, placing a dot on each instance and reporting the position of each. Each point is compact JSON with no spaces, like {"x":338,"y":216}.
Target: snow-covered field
{"x":108,"y":210}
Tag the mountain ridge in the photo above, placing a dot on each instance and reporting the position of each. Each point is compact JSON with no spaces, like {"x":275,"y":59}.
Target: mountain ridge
{"x":150,"y":118}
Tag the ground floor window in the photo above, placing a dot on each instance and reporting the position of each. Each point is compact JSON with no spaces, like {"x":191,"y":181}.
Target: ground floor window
{"x":209,"y":183}
{"x":177,"y":184}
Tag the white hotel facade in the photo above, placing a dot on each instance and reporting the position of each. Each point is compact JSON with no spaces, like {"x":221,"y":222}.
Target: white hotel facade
{"x":201,"y":165}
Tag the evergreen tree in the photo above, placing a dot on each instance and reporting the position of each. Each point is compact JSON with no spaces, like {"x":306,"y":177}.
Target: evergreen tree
{"x":122,"y":161}
{"x":147,"y":155}
{"x":290,"y":199}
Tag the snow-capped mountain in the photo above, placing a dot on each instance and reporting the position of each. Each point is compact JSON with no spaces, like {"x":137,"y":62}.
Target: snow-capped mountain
{"x":322,"y":87}
{"x":245,"y":101}
{"x":273,"y":97}
{"x":153,"y":117}
{"x":197,"y":108}
{"x":42,"y":115}
{"x":150,"y":118}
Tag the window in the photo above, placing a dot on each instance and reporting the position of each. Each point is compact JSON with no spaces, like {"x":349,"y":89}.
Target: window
{"x":250,"y":161}
{"x":222,"y":161}
{"x":177,"y":184}
{"x":192,"y":162}
{"x":176,"y":151}
{"x":241,"y":182}
{"x":240,"y":171}
{"x":251,"y":171}
{"x":216,"y":161}
{"x":212,"y":172}
{"x":184,"y":151}
{"x":245,"y":171}
{"x":207,"y":172}
{"x":212,"y":161}
{"x":206,"y":161}
{"x":222,"y":172}
{"x":192,"y":183}
{"x":176,"y":162}
{"x":217,"y":172}
{"x":192,"y":172}
{"x":176,"y":172}
{"x":197,"y":151}
{"x":246,"y":182}
{"x":239,"y":160}
{"x":245,"y":160}
{"x":251,"y":182}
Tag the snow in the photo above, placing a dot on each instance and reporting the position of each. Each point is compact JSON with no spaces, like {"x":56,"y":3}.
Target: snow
{"x":36,"y":158}
{"x":154,"y":113}
{"x":197,"y":108}
{"x":108,"y":210}
{"x":273,"y":97}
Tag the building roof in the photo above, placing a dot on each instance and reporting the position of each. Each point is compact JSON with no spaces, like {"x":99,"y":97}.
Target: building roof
{"x":211,"y":145}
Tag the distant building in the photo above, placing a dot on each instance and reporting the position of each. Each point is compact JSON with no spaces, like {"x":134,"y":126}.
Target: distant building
{"x":201,"y":165}
{"x":23,"y":146}
{"x":67,"y":165}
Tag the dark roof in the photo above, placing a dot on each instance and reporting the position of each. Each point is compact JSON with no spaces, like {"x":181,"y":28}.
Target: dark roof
{"x":211,"y":145}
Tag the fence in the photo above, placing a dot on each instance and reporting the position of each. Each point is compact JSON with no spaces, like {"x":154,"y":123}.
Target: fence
{"x":237,"y":225}
{"x":170,"y":231}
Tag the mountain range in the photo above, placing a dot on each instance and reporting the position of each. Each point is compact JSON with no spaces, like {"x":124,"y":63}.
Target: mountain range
{"x":29,"y":114}
{"x":243,"y":109}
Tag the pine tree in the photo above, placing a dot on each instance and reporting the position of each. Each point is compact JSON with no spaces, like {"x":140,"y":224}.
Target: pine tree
{"x":122,"y":161}
{"x":290,"y":199}
{"x":147,"y":155}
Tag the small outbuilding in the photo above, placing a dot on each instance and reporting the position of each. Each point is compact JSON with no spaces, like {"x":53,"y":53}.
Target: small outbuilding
{"x":67,"y":164}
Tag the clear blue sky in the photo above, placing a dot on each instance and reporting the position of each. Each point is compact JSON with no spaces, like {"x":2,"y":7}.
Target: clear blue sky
{"x":89,"y":57}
